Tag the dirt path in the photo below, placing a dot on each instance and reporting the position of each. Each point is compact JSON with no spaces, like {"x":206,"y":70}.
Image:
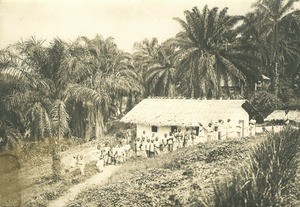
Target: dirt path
{"x":97,"y":179}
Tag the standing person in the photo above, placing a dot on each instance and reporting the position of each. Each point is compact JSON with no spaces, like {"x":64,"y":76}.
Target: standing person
{"x":114,"y":155}
{"x":81,"y":163}
{"x":228,"y":128}
{"x":148,"y":147}
{"x":174,"y":132}
{"x":137,"y":146}
{"x":180,"y":138}
{"x":187,"y":137}
{"x":151,"y":148}
{"x":193,"y":136}
{"x":216,"y":131}
{"x":144,"y":136}
{"x":143,"y":147}
{"x":175,"y":140}
{"x":165,"y":143}
{"x":209,"y":131}
{"x":128,"y":136}
{"x":105,"y":154}
{"x":239,"y":129}
{"x":252,"y":126}
{"x":170,"y":142}
{"x":157,"y":146}
{"x":201,"y":133}
{"x":100,"y":163}
{"x":109,"y":156}
{"x":175,"y":143}
{"x":221,"y":134}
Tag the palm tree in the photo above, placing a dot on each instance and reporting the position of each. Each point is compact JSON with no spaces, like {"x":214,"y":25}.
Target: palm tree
{"x":114,"y":69}
{"x":41,"y":72}
{"x":209,"y":54}
{"x":160,"y":75}
{"x":276,"y":16}
{"x":145,"y":56}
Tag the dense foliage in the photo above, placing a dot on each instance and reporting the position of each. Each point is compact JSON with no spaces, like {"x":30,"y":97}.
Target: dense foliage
{"x":72,"y":89}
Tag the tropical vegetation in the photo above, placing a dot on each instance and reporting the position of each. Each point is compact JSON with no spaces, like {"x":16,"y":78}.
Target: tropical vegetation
{"x":50,"y":92}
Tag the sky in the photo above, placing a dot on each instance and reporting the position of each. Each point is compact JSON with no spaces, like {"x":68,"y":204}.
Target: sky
{"x":127,"y":21}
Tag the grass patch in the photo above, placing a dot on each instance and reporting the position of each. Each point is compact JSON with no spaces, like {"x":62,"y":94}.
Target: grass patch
{"x":268,"y":179}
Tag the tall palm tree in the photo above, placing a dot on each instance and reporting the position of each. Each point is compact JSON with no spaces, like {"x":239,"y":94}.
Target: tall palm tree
{"x":113,"y":70}
{"x":145,"y":56}
{"x":160,"y":76}
{"x":209,"y":54}
{"x":276,"y":15}
{"x":45,"y":95}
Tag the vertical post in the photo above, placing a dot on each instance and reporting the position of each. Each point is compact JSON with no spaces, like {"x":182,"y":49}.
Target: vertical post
{"x":276,"y":81}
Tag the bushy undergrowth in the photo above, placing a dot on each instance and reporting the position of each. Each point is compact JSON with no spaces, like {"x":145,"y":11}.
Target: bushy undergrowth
{"x":268,"y":179}
{"x":170,"y":180}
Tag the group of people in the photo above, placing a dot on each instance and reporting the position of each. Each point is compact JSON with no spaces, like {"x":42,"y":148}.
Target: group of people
{"x":151,"y":146}
{"x":113,"y":155}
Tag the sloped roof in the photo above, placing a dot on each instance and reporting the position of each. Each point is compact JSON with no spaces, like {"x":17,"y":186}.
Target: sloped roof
{"x":280,"y":114}
{"x":181,"y":112}
{"x":265,"y":77}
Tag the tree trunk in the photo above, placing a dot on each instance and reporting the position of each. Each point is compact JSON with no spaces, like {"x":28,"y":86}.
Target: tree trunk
{"x":88,"y":124}
{"x":99,"y":128}
{"x":276,"y":87}
{"x":129,"y":102}
{"x":77,"y":121}
{"x":56,"y":161}
{"x":121,"y":104}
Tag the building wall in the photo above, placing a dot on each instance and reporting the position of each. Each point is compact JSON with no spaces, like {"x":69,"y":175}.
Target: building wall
{"x":240,"y":114}
{"x":161,"y":130}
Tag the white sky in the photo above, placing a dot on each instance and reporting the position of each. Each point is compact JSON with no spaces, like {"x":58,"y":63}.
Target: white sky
{"x":128,"y":21}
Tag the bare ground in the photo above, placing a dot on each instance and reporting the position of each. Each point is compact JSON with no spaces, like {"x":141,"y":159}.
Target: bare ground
{"x":97,"y":179}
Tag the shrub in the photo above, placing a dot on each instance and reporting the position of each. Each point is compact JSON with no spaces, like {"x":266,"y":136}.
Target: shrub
{"x":267,"y":178}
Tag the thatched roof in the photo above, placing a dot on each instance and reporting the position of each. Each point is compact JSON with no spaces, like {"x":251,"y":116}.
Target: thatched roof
{"x":280,"y":115}
{"x":183,"y":112}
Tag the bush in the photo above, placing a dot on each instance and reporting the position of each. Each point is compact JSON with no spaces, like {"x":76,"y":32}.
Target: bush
{"x":268,"y":178}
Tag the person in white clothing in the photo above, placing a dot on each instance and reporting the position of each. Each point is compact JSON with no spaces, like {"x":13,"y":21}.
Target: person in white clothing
{"x":239,"y":129}
{"x":100,"y":163}
{"x":157,"y":146}
{"x":252,"y":126}
{"x":81,"y":164}
{"x":143,"y":148}
{"x":228,"y":129}
{"x":201,"y":133}
{"x":221,"y":130}
{"x":180,"y":138}
{"x":209,"y":132}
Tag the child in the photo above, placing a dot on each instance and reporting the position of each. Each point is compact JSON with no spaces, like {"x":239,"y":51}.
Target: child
{"x":81,"y":164}
{"x":151,"y":148}
{"x":100,"y":164}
